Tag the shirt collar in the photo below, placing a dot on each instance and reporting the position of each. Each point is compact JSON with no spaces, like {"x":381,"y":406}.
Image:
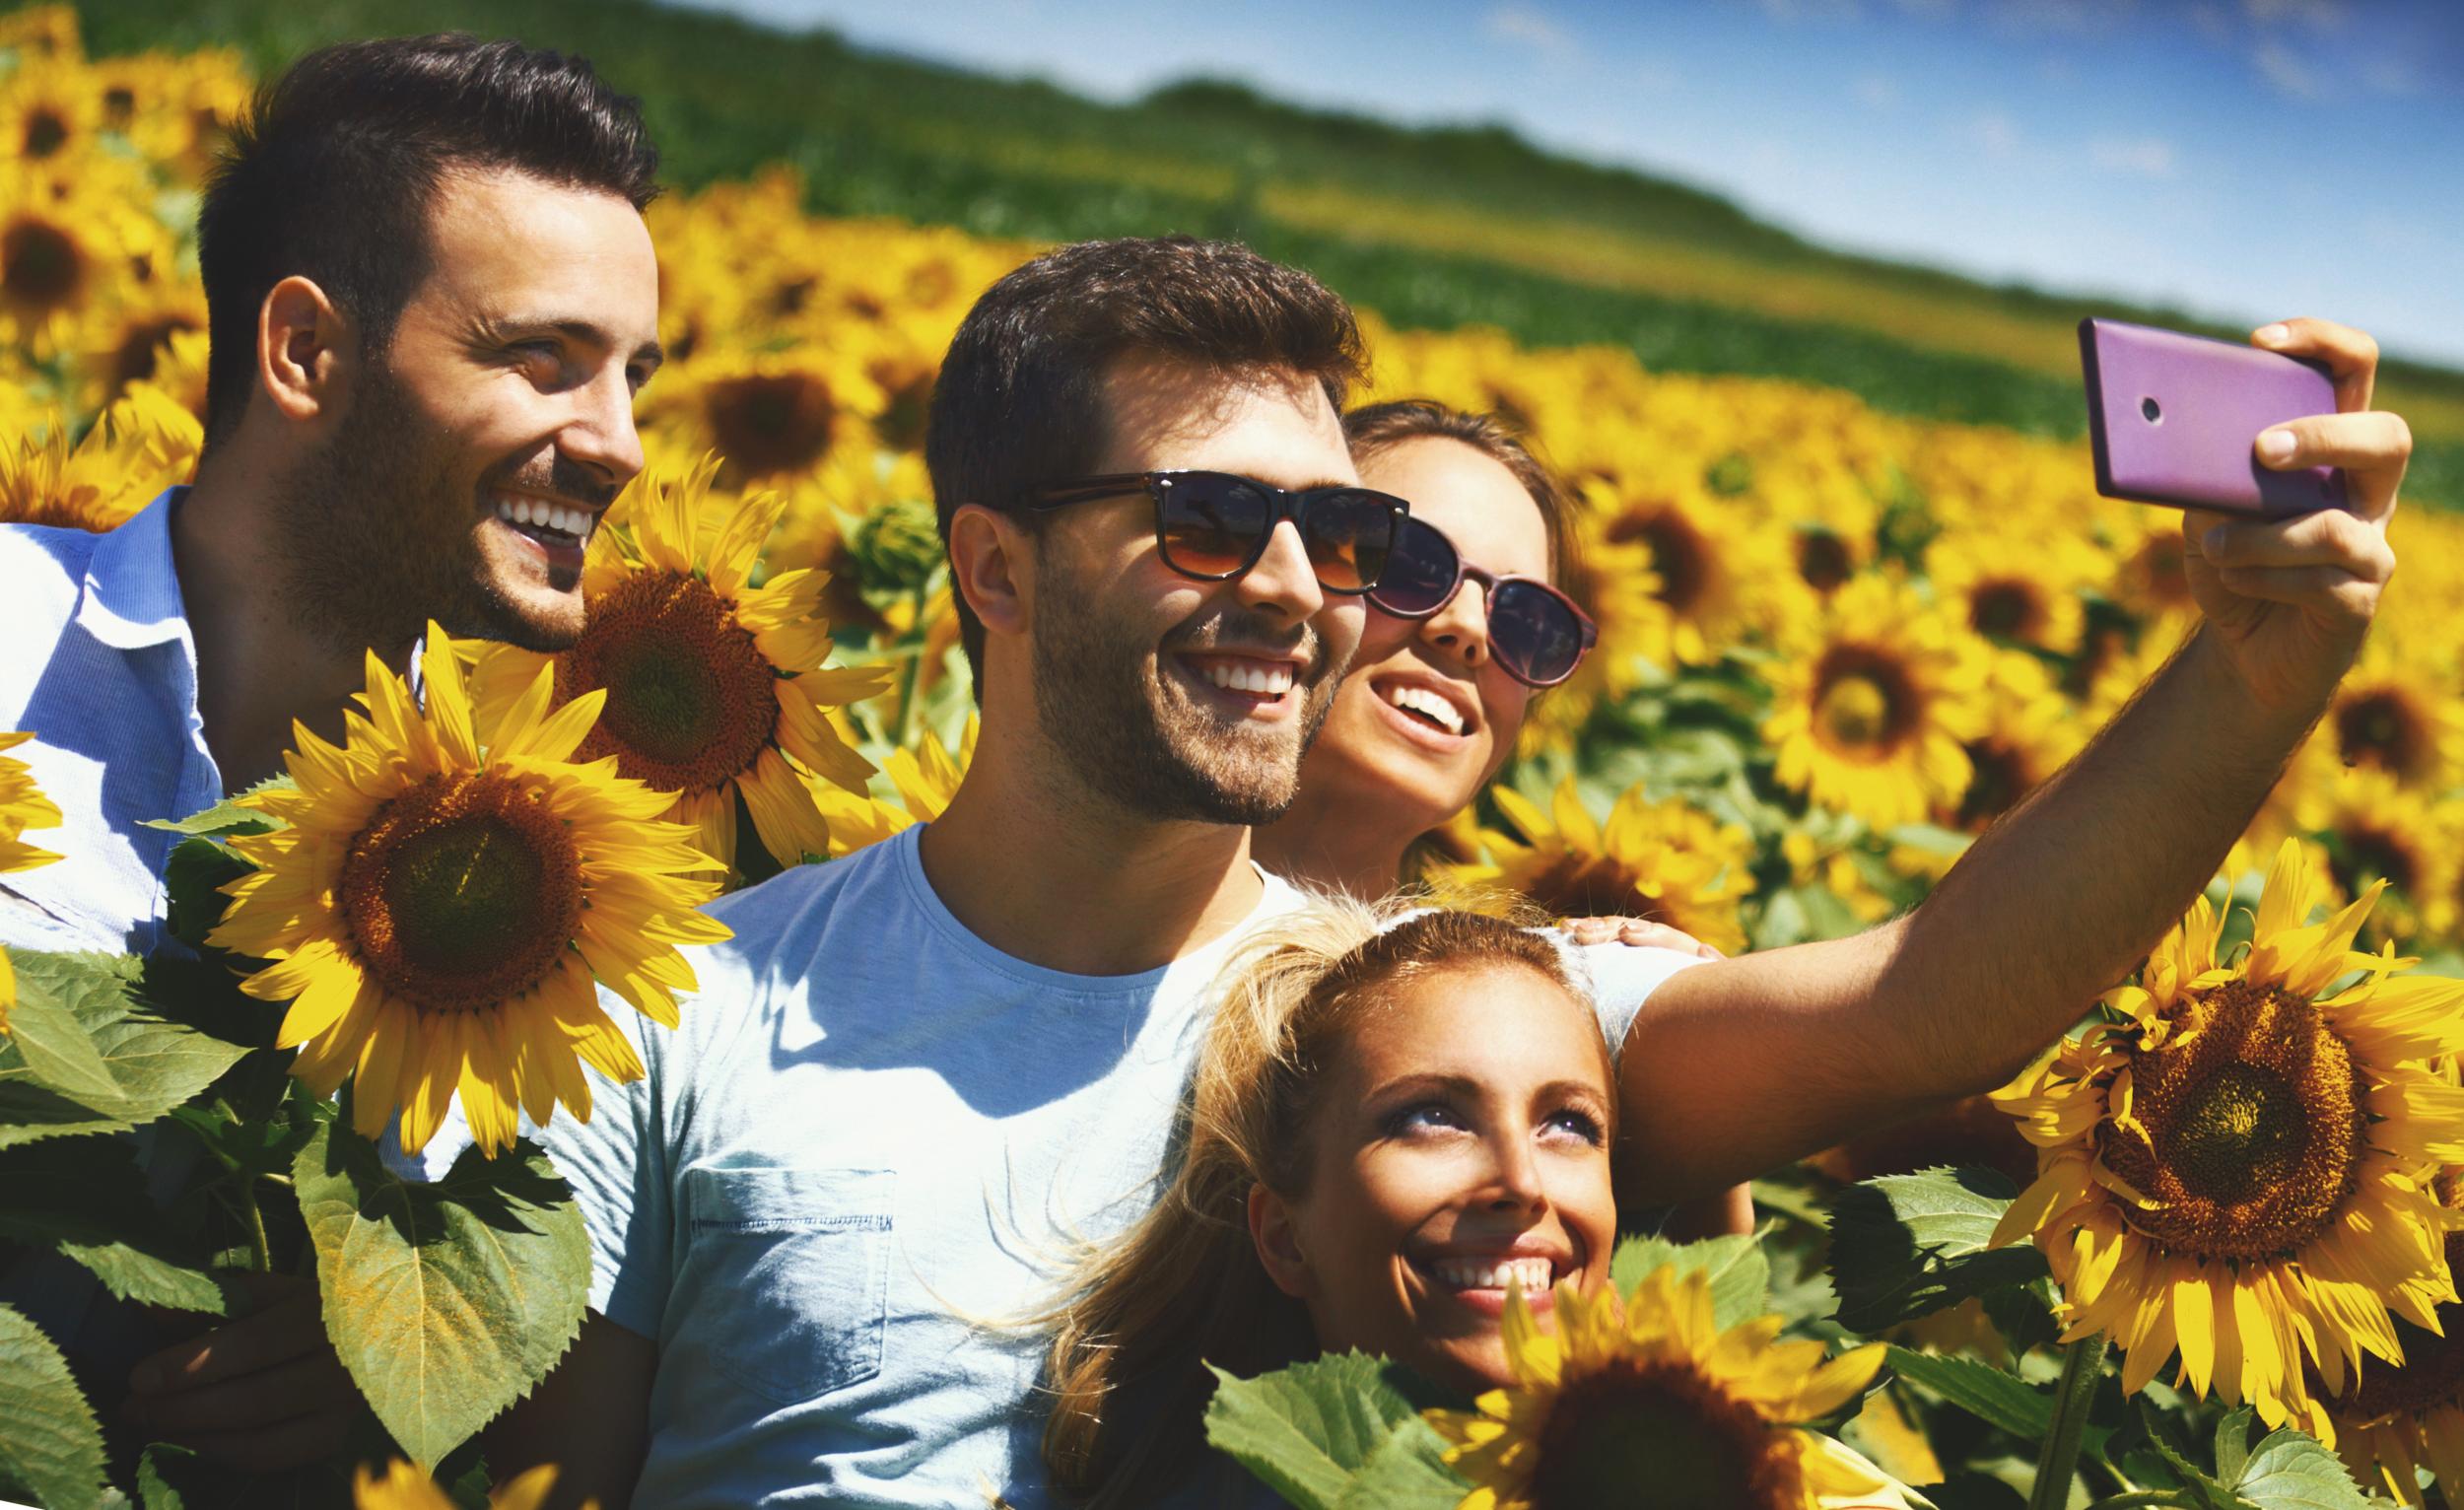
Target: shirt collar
{"x":132,"y":593}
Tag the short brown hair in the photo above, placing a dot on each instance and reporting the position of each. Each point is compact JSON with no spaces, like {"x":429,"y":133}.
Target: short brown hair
{"x":1020,"y":403}
{"x":1374,"y":428}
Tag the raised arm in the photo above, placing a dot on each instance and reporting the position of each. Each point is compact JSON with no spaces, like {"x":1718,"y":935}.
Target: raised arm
{"x":1738,"y":1065}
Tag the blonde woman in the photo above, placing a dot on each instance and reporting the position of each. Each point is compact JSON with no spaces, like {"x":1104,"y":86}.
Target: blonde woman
{"x":1393,"y":1116}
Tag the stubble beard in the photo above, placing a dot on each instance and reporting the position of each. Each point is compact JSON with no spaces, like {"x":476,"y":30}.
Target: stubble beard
{"x":1138,"y":742}
{"x":375,"y":534}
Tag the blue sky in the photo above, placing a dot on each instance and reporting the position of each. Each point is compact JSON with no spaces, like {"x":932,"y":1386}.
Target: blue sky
{"x":2244,"y":158}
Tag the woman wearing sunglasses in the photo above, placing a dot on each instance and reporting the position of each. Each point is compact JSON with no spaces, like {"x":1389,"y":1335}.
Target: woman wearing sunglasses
{"x":1465,"y":627}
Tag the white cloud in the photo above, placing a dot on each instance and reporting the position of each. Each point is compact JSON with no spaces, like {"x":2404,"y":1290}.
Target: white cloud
{"x":2281,"y":67}
{"x":2148,"y":157}
{"x":1875,"y":90}
{"x":1530,"y":28}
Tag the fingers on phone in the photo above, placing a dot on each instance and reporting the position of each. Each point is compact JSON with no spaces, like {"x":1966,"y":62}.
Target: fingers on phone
{"x":2327,"y":589}
{"x":2330,"y":538}
{"x":2352,"y":355}
{"x":2372,"y":440}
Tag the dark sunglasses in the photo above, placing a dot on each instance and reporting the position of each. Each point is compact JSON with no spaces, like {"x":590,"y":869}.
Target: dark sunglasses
{"x":1535,"y":631}
{"x":1214,"y":525}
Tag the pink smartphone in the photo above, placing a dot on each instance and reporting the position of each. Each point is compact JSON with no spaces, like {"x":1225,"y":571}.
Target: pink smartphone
{"x":2172,"y":418}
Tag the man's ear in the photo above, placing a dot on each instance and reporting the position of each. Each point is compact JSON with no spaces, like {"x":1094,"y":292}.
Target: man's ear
{"x":987,"y":567}
{"x":1272,"y":1232}
{"x":303,"y":347}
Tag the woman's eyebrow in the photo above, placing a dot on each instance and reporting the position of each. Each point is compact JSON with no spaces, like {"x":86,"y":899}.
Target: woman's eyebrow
{"x":1457,"y":1084}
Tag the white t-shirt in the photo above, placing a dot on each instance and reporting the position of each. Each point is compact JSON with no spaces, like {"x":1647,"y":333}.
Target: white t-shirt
{"x":871,"y":1130}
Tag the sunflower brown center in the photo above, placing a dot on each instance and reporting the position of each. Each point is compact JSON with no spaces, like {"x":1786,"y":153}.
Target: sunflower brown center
{"x":463,"y":891}
{"x":40,"y":268}
{"x":1863,"y":705}
{"x":2159,"y":567}
{"x":691,"y":700}
{"x":1822,"y":560}
{"x":1679,"y":554}
{"x":2383,"y":729}
{"x":46,"y":130}
{"x":1659,"y":1434}
{"x":2362,"y":854}
{"x":771,"y":422}
{"x":1574,"y":885}
{"x":1998,"y":777}
{"x":2253,"y":1119}
{"x":2011,"y":610}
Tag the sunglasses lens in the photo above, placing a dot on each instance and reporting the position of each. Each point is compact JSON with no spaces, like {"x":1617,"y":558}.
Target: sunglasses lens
{"x":1349,"y":537}
{"x":1211,"y":523}
{"x":1420,"y":572}
{"x":1534,"y":632}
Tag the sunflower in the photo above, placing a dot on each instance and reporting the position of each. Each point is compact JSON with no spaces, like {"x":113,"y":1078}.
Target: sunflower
{"x":443,"y":890}
{"x":2399,"y":1417}
{"x":2026,"y":590}
{"x":1874,"y":714}
{"x":2029,"y":731}
{"x":2233,"y":1161}
{"x":143,"y":443}
{"x":926,"y":778}
{"x":1651,"y":1392}
{"x":714,"y":688}
{"x":1721,"y":575}
{"x":2387,"y":717}
{"x":405,"y":1488}
{"x":47,"y":115}
{"x":1660,"y":860}
{"x":2373,"y":829}
{"x":772,"y":416}
{"x":22,"y":806}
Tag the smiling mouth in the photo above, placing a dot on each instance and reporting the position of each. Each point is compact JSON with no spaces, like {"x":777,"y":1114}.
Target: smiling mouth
{"x":1423,"y":706}
{"x":549,"y":523}
{"x":1535,"y":1275}
{"x":1262,"y":684}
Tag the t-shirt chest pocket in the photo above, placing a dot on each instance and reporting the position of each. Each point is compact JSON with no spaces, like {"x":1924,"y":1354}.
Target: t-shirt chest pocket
{"x":792,"y":1271}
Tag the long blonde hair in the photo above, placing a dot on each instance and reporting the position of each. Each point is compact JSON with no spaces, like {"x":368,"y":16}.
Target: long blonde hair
{"x":1141,"y":1317}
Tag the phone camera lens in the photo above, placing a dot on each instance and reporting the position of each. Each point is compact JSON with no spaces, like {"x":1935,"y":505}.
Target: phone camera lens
{"x":2148,"y":407}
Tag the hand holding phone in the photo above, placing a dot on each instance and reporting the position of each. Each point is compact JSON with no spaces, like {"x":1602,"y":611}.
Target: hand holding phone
{"x":2172,"y":418}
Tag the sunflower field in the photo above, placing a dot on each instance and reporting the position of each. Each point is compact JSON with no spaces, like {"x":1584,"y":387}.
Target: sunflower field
{"x":2199,"y":1255}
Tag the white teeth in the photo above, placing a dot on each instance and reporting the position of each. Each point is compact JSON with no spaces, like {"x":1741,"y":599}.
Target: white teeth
{"x":1473,"y":1274}
{"x":542,"y":515}
{"x":1421,"y":699}
{"x":1266,"y":681}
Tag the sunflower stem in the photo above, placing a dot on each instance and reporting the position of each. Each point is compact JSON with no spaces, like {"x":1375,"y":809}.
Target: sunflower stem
{"x":260,"y":1251}
{"x":2140,"y":1497}
{"x":2082,"y":1364}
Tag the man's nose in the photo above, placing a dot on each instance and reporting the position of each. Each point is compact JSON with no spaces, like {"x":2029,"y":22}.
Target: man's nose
{"x":601,"y":435}
{"x":1284,"y":582}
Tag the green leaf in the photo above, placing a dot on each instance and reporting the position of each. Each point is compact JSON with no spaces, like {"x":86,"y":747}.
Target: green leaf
{"x":448,"y":1301}
{"x":1997,"y":1399}
{"x":86,"y":1197}
{"x":1906,"y":1246}
{"x":48,"y":1440}
{"x":2232,"y":1442}
{"x":227,"y":816}
{"x":1306,"y":1431}
{"x":2204,"y":1492}
{"x":52,"y":1043}
{"x":1741,"y":1277}
{"x":1406,"y":1472}
{"x":2289,"y":1471}
{"x":193,"y":879}
{"x":155,"y":1064}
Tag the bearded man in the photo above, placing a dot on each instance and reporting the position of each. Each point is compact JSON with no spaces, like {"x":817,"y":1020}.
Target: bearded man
{"x":431,"y":299}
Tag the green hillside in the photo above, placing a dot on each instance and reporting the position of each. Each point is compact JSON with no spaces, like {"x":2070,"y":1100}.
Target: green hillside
{"x":1431,"y":227}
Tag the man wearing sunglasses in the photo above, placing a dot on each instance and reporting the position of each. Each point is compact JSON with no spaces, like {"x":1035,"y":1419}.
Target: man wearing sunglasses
{"x":925,"y":1070}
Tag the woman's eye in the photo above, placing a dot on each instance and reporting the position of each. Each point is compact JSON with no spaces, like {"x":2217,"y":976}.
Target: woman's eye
{"x":1427,"y":1117}
{"x":1578,"y":1123}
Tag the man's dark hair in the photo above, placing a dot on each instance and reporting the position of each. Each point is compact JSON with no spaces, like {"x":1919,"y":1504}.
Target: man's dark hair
{"x":1020,"y":399}
{"x":333,"y":173}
